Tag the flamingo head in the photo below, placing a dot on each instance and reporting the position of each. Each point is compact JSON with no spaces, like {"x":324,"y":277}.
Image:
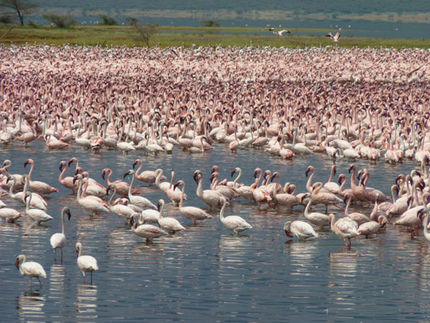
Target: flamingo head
{"x":307,"y":195}
{"x":78,"y":248}
{"x":233,"y":172}
{"x":62,"y":164}
{"x":104,"y":172}
{"x":197,"y":175}
{"x":287,"y":231}
{"x":131,"y":171}
{"x":178,"y":183}
{"x":76,"y":178}
{"x":352,"y":167}
{"x":256,"y":172}
{"x":137,"y":161}
{"x":28,"y":161}
{"x":215,"y":169}
{"x":341,"y":178}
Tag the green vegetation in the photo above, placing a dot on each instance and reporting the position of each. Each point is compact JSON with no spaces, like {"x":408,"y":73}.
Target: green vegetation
{"x":165,"y":36}
{"x":107,"y":21}
{"x":60,"y":21}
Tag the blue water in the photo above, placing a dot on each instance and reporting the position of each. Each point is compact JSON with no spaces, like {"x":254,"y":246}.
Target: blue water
{"x":206,"y":273}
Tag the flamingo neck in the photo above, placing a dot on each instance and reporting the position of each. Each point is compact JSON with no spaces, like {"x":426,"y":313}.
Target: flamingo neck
{"x":309,"y":182}
{"x":221,"y":212}
{"x":237,"y":178}
{"x":63,"y":225}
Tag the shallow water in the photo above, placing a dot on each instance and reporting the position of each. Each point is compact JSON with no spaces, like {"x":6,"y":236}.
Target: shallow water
{"x":206,"y":272}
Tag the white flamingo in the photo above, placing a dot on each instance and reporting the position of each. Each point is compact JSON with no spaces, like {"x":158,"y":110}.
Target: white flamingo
{"x":90,"y":203}
{"x":167,"y":223}
{"x":85,"y":263}
{"x":30,"y":269}
{"x":58,"y":240}
{"x":138,"y":200}
{"x":233,"y":222}
{"x":191,"y":212}
{"x":210,"y":197}
{"x":300,"y":229}
{"x":9,"y":215}
{"x":345,"y":228}
{"x":147,"y":231}
{"x":37,"y":215}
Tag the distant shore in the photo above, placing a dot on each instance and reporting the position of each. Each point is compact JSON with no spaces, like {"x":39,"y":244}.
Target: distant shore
{"x":168,"y":36}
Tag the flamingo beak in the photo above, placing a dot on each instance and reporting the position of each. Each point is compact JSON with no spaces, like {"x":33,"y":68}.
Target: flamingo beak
{"x":69,"y":162}
{"x":75,"y":179}
{"x":126,"y":174}
{"x":134,"y":164}
{"x":25,"y":164}
{"x":61,"y":167}
{"x":17,"y":263}
{"x":233,"y":172}
{"x":307,"y":172}
{"x":288,"y":234}
{"x":103,"y":174}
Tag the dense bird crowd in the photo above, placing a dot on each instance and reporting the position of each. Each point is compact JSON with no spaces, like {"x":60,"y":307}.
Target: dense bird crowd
{"x":346,"y":103}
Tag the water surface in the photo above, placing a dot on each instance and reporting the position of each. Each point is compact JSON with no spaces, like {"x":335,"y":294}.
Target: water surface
{"x":206,"y":272}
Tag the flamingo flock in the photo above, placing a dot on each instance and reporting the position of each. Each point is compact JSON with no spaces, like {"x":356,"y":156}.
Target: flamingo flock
{"x":350,"y":104}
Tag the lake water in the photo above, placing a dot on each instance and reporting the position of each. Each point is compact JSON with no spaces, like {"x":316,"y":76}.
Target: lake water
{"x":206,"y":273}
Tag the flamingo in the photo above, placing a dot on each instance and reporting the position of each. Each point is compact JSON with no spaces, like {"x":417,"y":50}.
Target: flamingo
{"x":210,"y":197}
{"x":122,"y":187}
{"x":282,"y":32}
{"x":9,"y":215}
{"x":67,"y":182}
{"x":147,"y":231}
{"x":36,"y":202}
{"x":37,"y":215}
{"x":233,"y":222}
{"x":335,"y":37}
{"x":424,"y":215}
{"x":147,"y":176}
{"x":58,"y":240}
{"x":90,"y":203}
{"x":140,"y":201}
{"x":85,"y":263}
{"x":38,"y":186}
{"x":372,"y":227}
{"x":30,"y":269}
{"x":120,"y":209}
{"x":191,"y":212}
{"x":317,"y":218}
{"x":169,"y":224}
{"x":345,"y":228}
{"x":300,"y":229}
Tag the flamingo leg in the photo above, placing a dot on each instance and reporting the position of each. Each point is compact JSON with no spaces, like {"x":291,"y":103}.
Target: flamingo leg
{"x":61,"y":255}
{"x":85,"y":279}
{"x":55,"y":254}
{"x":40,"y":282}
{"x":91,"y":277}
{"x":31,"y":284}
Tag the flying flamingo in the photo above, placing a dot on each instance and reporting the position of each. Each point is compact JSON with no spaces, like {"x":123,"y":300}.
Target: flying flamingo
{"x":335,"y":37}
